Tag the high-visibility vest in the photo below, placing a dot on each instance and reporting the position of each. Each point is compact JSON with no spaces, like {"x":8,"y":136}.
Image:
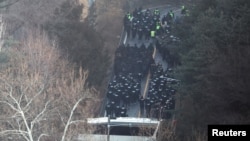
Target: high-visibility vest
{"x":183,"y":10}
{"x":172,"y":15}
{"x":152,"y":33}
{"x":156,"y":12}
{"x":158,"y":26}
{"x":129,"y":16}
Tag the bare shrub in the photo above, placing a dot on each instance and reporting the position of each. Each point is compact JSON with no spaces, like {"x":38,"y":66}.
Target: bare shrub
{"x":42,"y":96}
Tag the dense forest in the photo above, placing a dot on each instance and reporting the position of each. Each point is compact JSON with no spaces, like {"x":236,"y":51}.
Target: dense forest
{"x":214,"y":68}
{"x":79,"y":41}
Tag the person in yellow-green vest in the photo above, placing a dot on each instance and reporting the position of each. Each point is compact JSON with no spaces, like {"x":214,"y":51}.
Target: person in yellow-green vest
{"x":158,"y":25}
{"x":170,"y":17}
{"x":129,"y":16}
{"x":171,"y":14}
{"x":152,"y":33}
{"x":156,"y":11}
{"x":158,"y":28}
{"x":184,"y":11}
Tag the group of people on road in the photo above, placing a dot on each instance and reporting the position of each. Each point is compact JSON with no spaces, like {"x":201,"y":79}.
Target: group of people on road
{"x":123,"y":90}
{"x":133,"y":58}
{"x":160,"y":97}
{"x":146,"y":23}
{"x":132,"y":64}
{"x":149,"y":24}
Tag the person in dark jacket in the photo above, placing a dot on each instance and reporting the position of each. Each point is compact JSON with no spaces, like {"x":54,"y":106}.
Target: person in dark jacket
{"x":141,"y":100}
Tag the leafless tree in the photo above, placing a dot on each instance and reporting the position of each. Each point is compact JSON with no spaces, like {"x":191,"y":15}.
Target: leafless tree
{"x":2,"y":31}
{"x":28,"y":13}
{"x":41,"y":95}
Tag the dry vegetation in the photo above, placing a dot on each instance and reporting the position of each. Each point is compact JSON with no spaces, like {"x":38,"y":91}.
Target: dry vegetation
{"x":85,"y":10}
{"x":42,"y":96}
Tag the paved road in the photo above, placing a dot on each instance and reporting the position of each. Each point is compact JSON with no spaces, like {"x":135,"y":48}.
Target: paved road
{"x":133,"y":110}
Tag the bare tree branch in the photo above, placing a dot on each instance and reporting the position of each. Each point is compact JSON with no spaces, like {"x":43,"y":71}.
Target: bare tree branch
{"x":10,"y":105}
{"x":19,"y":128}
{"x":15,"y":115}
{"x":27,"y":126}
{"x":36,"y":119}
{"x":13,"y":131}
{"x":17,"y":132}
{"x":41,"y":136}
{"x":30,"y":101}
{"x":70,"y":117}
{"x":22,"y":95}
{"x":19,"y":109}
{"x":61,"y":117}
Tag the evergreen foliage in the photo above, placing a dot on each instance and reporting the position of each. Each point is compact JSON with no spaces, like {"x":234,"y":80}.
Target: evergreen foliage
{"x":79,"y":41}
{"x":214,"y":70}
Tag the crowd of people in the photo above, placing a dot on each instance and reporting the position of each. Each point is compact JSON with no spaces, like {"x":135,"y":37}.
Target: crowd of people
{"x":133,"y":63}
{"x":147,"y":23}
{"x":123,"y":90}
{"x":133,"y":59}
{"x":160,"y":97}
